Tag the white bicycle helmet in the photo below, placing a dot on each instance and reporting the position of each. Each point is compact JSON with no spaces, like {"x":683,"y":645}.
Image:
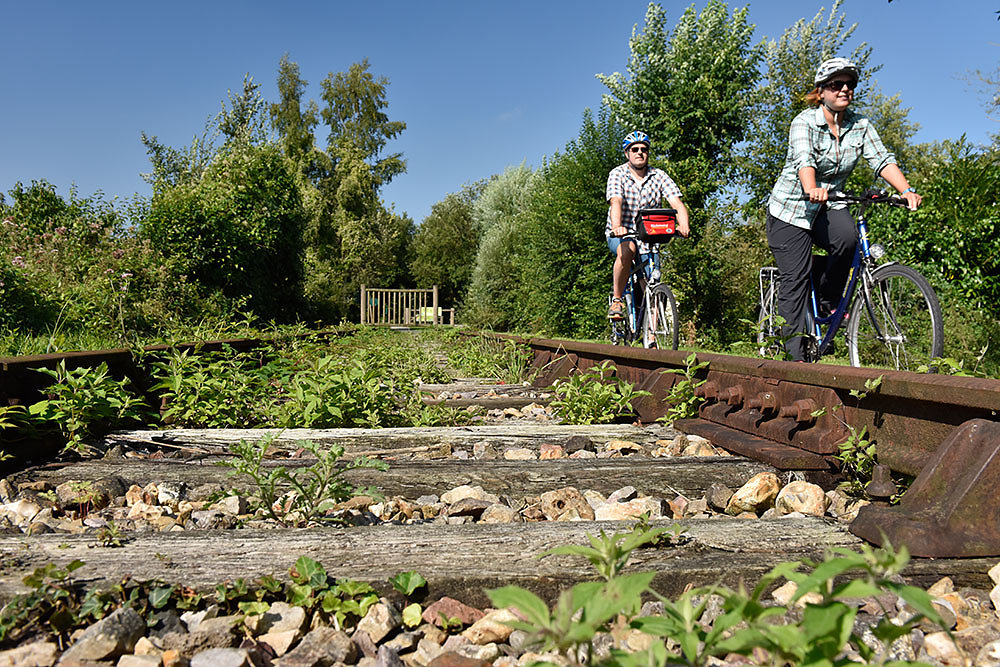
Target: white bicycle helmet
{"x":834,"y":66}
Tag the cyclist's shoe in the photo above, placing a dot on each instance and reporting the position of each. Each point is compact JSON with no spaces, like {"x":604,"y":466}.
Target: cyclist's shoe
{"x":617,"y":309}
{"x":650,"y":343}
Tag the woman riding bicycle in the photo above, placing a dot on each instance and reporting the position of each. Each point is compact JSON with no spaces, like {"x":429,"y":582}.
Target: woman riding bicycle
{"x":633,"y":186}
{"x":825,"y":143}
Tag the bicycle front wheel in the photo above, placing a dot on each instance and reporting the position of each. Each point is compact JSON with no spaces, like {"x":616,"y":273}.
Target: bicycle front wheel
{"x":660,"y":322}
{"x":896,"y":321}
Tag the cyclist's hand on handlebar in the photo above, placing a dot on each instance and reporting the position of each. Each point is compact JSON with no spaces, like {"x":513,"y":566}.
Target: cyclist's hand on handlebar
{"x":618,"y":231}
{"x":912,"y":200}
{"x":683,"y":228}
{"x":817,"y":195}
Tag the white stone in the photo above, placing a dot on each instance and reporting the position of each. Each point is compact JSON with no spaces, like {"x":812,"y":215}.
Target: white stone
{"x":19,"y":512}
{"x":801,"y":496}
{"x":940,"y":646}
{"x":756,"y":495}
{"x":491,"y":628}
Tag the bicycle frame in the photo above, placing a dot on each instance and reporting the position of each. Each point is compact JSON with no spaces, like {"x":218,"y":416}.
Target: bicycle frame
{"x":640,"y":280}
{"x":862,"y":260}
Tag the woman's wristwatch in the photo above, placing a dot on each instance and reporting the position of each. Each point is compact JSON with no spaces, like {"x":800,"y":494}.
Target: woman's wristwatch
{"x":910,"y":189}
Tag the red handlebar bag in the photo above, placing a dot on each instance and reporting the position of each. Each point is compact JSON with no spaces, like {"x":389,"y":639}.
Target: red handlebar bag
{"x":656,"y":225}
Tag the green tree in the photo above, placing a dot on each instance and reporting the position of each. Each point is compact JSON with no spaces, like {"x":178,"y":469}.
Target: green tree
{"x":295,"y":125}
{"x":790,"y":63}
{"x":232,"y":222}
{"x":504,"y":197}
{"x":500,"y":213}
{"x":350,"y":237}
{"x":238,"y":229}
{"x":445,"y":245}
{"x":243,"y":121}
{"x":354,"y":113}
{"x":565,"y":267}
{"x":689,"y":91}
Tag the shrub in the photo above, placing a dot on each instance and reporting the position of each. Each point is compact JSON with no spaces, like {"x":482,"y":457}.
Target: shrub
{"x":74,"y":272}
{"x":237,"y":229}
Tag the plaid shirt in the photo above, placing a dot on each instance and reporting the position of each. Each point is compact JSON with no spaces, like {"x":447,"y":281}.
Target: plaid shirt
{"x":650,"y":193}
{"x":812,"y":144}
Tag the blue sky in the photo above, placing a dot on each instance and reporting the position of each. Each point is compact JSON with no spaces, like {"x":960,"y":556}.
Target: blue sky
{"x":480,"y":85}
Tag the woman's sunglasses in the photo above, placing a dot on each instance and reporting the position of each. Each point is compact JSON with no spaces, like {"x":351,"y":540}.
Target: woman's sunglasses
{"x":839,"y":85}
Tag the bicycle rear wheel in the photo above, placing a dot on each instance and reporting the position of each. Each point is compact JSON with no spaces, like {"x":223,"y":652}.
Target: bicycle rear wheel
{"x":768,"y":332}
{"x":896,"y":321}
{"x":660,"y":321}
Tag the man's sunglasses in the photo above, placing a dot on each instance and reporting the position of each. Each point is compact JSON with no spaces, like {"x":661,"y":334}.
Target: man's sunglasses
{"x":638,"y":149}
{"x":839,"y":85}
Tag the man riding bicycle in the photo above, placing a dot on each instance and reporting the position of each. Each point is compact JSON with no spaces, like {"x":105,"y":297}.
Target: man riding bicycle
{"x":633,"y":186}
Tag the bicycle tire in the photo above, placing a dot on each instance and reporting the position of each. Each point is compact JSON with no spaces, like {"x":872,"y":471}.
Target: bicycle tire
{"x":768,"y":332}
{"x":660,"y":320}
{"x":896,"y":321}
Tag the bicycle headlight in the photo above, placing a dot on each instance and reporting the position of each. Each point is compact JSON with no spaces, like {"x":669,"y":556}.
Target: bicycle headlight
{"x":655,"y":274}
{"x":876,"y":251}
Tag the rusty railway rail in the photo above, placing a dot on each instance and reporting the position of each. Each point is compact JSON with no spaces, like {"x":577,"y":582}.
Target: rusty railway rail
{"x":942,"y":430}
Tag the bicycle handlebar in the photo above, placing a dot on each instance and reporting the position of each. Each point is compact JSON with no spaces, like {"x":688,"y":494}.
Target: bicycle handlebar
{"x":869,"y":197}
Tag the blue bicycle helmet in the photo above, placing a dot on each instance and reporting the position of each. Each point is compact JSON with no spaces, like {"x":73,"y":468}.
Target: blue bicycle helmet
{"x":634,"y":137}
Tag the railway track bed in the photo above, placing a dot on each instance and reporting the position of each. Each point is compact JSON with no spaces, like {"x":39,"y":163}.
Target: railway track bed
{"x":181,"y":519}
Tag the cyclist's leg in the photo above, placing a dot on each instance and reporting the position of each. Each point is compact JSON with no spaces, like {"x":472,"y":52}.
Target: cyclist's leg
{"x":624,"y":254}
{"x":792,"y":250}
{"x":834,"y":231}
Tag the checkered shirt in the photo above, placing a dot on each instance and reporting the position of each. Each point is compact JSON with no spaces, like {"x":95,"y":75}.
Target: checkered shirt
{"x":650,"y":193}
{"x":812,"y":144}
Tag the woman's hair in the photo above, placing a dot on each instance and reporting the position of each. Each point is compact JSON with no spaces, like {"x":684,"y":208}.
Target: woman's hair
{"x":813,"y":97}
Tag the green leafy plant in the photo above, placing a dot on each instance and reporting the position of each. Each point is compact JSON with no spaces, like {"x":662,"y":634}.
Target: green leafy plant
{"x":328,"y":395}
{"x":407,"y":583}
{"x":311,"y":587}
{"x":610,"y":553}
{"x":594,"y":396}
{"x":416,"y":413}
{"x":50,"y":604}
{"x":857,"y":453}
{"x":682,"y":399}
{"x":111,"y":536}
{"x":82,"y":400}
{"x":952,"y":366}
{"x":316,"y":487}
{"x":767,"y":340}
{"x":12,"y":418}
{"x":748,"y":625}
{"x":214,"y":390}
{"x":477,"y":356}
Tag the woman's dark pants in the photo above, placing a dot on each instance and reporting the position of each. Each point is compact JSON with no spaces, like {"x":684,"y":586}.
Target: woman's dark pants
{"x":834,"y":231}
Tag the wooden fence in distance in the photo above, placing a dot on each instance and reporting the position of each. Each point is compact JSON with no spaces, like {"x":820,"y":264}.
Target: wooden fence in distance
{"x":403,"y":307}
